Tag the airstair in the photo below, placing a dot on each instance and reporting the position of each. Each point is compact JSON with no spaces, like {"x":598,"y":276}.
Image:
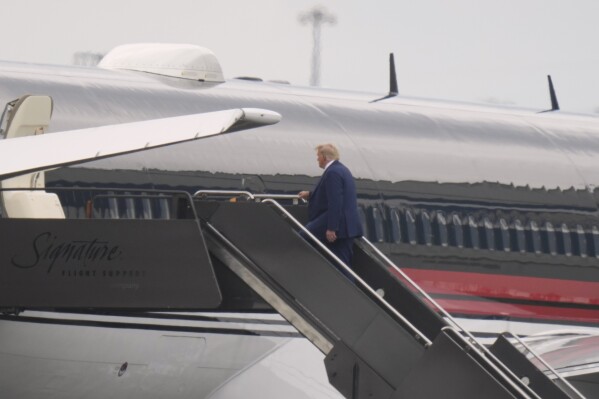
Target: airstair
{"x":383,"y":336}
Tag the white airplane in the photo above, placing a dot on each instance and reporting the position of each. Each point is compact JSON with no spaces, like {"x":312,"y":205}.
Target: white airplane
{"x":492,"y":211}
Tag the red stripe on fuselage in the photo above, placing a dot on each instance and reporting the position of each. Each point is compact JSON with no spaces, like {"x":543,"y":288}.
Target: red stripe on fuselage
{"x":506,"y":286}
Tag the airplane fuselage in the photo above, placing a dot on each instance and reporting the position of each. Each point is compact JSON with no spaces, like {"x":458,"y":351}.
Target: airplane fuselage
{"x":494,"y":211}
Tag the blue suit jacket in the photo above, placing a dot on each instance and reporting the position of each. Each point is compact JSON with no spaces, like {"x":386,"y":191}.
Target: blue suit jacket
{"x":333,"y":204}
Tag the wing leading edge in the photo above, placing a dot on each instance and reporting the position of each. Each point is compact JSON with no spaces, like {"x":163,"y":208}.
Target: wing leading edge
{"x":29,"y":154}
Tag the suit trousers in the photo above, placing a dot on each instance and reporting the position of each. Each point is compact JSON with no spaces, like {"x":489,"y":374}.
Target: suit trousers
{"x":343,"y":248}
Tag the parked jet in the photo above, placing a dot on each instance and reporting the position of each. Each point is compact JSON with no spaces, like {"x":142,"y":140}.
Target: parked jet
{"x":493,"y":211}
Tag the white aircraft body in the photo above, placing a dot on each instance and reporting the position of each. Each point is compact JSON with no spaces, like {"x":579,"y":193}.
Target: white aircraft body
{"x":492,"y":211}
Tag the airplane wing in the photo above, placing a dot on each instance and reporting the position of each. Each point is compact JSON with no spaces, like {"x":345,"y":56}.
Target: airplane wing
{"x":22,"y":155}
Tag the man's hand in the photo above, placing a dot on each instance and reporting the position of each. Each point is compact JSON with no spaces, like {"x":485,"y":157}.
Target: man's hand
{"x":331,"y":236}
{"x":304,"y":195}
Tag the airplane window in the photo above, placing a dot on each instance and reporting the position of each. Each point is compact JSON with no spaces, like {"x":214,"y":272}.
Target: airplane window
{"x":103,"y":208}
{"x":518,"y":241}
{"x":83,"y":198}
{"x":489,"y":234}
{"x":411,"y":227}
{"x":129,"y":208}
{"x":123,"y":208}
{"x":564,"y":241}
{"x":425,"y":236}
{"x":434,"y":227}
{"x":138,"y":209}
{"x":567,"y":239}
{"x":379,"y":231}
{"x":67,"y":201}
{"x":72,"y":205}
{"x":395,"y":226}
{"x":362,"y":216}
{"x":456,"y":233}
{"x":472,"y":238}
{"x":165,"y":212}
{"x":97,"y":208}
{"x":442,"y":228}
{"x":165,"y":209}
{"x":579,"y":241}
{"x":574,"y":240}
{"x":548,"y":239}
{"x":593,"y":237}
{"x":503,"y":235}
{"x":533,"y":237}
{"x":146,"y":208}
{"x":113,"y":207}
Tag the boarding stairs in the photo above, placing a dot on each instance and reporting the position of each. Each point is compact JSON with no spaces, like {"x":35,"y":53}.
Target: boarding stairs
{"x":383,"y":336}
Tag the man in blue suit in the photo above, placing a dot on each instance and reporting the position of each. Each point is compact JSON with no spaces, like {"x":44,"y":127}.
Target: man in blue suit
{"x":332,"y":206}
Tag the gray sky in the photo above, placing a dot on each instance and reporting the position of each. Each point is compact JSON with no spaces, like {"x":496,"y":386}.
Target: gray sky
{"x":466,"y":50}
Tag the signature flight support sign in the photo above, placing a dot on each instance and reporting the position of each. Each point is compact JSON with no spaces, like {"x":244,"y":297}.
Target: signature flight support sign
{"x":155,"y":264}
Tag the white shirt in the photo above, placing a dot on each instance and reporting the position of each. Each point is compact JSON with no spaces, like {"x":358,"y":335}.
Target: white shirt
{"x":328,"y":164}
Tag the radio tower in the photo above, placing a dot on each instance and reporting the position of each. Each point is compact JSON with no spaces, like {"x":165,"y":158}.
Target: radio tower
{"x":317,"y":17}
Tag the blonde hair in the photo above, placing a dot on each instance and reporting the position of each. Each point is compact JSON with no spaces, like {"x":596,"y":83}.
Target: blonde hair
{"x":328,"y":151}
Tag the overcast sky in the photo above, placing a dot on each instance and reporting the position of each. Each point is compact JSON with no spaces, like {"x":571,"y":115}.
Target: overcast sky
{"x":466,"y":50}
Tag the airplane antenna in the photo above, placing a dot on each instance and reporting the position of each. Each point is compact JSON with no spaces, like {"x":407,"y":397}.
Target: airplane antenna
{"x":392,"y":76}
{"x":554,"y":103}
{"x":393,"y":90}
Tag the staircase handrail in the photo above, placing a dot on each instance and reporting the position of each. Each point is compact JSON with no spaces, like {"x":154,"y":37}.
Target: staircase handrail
{"x":417,"y":333}
{"x":539,"y":358}
{"x":510,"y":381}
